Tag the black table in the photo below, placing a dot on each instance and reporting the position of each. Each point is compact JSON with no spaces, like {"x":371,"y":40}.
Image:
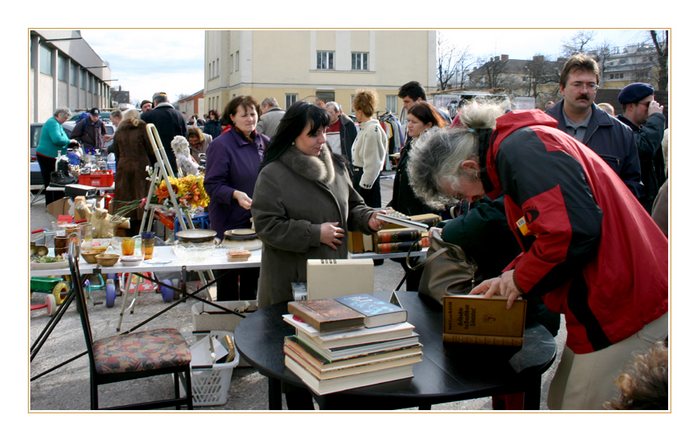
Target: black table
{"x":447,"y":373}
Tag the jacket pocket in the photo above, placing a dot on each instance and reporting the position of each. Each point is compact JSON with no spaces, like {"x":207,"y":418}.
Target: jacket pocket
{"x":613,"y":161}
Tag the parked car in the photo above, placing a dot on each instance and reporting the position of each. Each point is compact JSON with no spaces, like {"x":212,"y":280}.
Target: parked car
{"x":34,"y":135}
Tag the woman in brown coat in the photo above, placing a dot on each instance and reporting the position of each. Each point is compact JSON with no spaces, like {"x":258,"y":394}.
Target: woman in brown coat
{"x":133,"y":153}
{"x":304,"y":203}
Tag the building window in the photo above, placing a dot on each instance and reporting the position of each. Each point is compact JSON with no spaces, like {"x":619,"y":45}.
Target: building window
{"x":289,"y":99}
{"x":616,"y":76}
{"x":62,"y":68}
{"x":326,"y":96}
{"x":359,"y":61}
{"x":237,"y":61}
{"x":74,"y":75}
{"x":83,"y":79}
{"x":392,"y":103}
{"x":324,"y":60}
{"x":45,"y":59}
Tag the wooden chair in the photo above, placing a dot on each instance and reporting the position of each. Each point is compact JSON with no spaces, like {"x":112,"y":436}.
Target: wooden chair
{"x":131,"y":356}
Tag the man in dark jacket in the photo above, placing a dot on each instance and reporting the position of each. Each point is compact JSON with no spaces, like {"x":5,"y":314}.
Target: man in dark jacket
{"x":579,"y":117}
{"x":90,"y":131}
{"x":645,"y":117}
{"x":169,"y":123}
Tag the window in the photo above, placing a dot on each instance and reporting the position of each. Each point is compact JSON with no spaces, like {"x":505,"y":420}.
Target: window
{"x":324,"y":60}
{"x":237,"y":61}
{"x":359,"y":61}
{"x":83,"y":79}
{"x":392,"y":103}
{"x":62,"y":68}
{"x":326,"y":96}
{"x":289,"y":99}
{"x":74,"y":75}
{"x":616,"y":76}
{"x":45,"y":60}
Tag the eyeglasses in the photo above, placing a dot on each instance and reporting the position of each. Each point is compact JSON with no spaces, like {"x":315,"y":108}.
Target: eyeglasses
{"x":582,"y":85}
{"x":645,"y":104}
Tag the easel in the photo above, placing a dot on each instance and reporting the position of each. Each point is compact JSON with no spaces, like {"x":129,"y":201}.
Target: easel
{"x":162,"y":171}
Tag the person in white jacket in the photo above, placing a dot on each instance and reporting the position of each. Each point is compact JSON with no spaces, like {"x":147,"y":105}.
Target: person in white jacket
{"x":369,"y":149}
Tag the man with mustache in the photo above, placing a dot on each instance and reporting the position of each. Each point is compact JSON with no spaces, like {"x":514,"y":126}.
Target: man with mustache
{"x":580,"y":117}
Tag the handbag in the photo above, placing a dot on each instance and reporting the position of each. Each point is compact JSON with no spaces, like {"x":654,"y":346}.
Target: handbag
{"x":446,"y":270}
{"x":61,"y":176}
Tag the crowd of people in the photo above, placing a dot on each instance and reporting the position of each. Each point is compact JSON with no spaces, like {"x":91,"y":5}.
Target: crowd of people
{"x":557,"y":206}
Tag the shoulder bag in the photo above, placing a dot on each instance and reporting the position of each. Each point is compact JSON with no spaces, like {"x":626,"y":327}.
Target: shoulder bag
{"x":446,"y":270}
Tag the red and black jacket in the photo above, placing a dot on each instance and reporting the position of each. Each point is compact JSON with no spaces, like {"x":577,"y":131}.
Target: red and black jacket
{"x":589,"y":247}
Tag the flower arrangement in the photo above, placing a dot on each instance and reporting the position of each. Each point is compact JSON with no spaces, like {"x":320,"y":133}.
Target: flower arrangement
{"x":189,"y":191}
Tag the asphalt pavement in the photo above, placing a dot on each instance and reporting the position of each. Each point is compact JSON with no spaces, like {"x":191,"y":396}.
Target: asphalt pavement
{"x":67,"y":387}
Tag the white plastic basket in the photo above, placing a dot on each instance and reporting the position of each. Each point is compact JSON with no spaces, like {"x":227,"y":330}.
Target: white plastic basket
{"x":210,"y":385}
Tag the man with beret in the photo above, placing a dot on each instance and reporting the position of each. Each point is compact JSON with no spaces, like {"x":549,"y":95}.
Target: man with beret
{"x":645,"y":117}
{"x":580,"y":117}
{"x":168,"y":121}
{"x":90,"y":131}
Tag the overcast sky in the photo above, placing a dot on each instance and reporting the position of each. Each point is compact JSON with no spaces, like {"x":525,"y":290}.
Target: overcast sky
{"x":172,"y":61}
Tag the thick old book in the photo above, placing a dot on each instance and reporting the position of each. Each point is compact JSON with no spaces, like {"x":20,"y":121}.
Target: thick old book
{"x":398,"y":221}
{"x":326,"y":314}
{"x":473,"y":319}
{"x":396,"y":235}
{"x":353,"y":351}
{"x":405,"y":246}
{"x":326,"y":386}
{"x":329,"y":278}
{"x":324,"y":369}
{"x":347,"y":338}
{"x":377,"y":312}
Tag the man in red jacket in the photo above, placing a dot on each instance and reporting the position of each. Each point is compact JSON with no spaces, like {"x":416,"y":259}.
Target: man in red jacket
{"x":589,"y":247}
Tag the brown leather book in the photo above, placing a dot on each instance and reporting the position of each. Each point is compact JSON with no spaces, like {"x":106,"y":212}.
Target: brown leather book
{"x":473,"y":319}
{"x":326,"y":314}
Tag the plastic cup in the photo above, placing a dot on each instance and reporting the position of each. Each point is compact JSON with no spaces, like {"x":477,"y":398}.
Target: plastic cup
{"x":128,"y":245}
{"x":148,"y":242}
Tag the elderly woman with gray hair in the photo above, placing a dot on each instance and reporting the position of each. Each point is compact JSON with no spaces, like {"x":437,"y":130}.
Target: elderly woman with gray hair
{"x":589,"y":248}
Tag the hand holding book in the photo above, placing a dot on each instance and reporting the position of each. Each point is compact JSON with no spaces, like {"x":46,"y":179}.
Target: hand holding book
{"x":503,"y":285}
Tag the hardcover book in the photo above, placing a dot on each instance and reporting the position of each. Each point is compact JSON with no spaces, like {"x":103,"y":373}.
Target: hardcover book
{"x":326,"y":314}
{"x":326,"y":386}
{"x":404,"y":246}
{"x":473,"y":319}
{"x":396,"y":235}
{"x":323,"y":369}
{"x":347,"y":338}
{"x":352,"y":351}
{"x":375,"y":311}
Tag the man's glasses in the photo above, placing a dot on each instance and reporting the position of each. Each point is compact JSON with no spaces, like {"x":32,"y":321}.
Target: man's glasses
{"x":582,"y":85}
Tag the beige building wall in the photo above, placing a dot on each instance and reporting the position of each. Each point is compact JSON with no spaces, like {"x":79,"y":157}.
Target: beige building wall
{"x":283,"y":64}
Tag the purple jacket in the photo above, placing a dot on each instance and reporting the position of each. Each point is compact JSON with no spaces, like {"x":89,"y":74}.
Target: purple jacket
{"x":233,"y":163}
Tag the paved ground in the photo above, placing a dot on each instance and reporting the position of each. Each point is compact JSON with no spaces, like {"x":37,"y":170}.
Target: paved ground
{"x":67,"y":388}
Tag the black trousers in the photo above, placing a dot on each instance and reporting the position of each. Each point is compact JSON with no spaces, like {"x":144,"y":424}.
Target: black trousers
{"x":237,"y":285}
{"x":373,"y":196}
{"x":48,"y":165}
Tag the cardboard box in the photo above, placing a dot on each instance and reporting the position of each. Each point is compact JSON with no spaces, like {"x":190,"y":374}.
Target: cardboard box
{"x":64,"y":206}
{"x":330,"y":278}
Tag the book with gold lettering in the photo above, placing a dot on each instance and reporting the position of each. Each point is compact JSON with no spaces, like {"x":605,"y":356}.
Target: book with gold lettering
{"x":473,"y":319}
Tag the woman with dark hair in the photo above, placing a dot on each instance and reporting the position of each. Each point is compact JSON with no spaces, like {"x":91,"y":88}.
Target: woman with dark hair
{"x":421,"y":118}
{"x":213,"y":124}
{"x":233,"y":162}
{"x":199,"y":141}
{"x":303,"y":204}
{"x":369,"y":149}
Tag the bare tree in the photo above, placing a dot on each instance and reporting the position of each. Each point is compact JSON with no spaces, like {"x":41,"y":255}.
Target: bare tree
{"x":577,"y":43}
{"x":490,"y":73}
{"x":451,"y":61}
{"x":602,"y":55}
{"x":661,"y":46}
{"x":540,"y":72}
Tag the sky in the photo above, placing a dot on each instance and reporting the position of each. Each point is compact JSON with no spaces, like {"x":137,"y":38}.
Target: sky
{"x":170,"y":60}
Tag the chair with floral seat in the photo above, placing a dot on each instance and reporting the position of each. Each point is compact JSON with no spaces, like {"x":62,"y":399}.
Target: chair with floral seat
{"x":134,"y":355}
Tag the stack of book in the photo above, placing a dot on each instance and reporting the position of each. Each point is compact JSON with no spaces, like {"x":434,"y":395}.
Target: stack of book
{"x":399,"y":240}
{"x":349,"y":342}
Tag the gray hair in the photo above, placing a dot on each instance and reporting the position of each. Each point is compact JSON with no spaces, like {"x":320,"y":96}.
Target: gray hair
{"x":270,"y":101}
{"x":436,"y":156}
{"x":335,"y":105}
{"x":62,"y":111}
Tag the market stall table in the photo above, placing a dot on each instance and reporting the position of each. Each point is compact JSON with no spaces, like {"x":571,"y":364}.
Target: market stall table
{"x":446,"y":373}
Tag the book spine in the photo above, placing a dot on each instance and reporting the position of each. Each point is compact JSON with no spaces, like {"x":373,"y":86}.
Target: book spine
{"x":397,"y":236}
{"x":458,"y":338}
{"x":403,"y":246}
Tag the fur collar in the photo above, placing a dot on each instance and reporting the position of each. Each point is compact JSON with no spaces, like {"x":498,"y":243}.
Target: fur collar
{"x":312,"y":168}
